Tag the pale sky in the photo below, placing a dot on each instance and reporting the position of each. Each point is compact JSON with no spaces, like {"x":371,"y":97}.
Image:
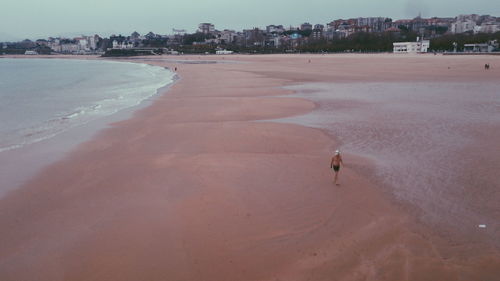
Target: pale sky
{"x":42,"y":18}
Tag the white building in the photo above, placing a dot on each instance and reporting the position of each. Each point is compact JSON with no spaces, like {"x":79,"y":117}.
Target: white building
{"x":122,"y":45}
{"x":462,"y":26}
{"x":421,"y":46}
{"x":206,"y":28}
{"x":223,"y":52}
{"x":83,"y":43}
{"x":488,"y":47}
{"x":487,"y":27}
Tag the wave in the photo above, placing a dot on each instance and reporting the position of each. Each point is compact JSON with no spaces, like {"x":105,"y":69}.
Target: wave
{"x":143,"y":82}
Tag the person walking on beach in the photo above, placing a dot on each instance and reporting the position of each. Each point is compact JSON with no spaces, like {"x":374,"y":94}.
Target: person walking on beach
{"x":335,"y":165}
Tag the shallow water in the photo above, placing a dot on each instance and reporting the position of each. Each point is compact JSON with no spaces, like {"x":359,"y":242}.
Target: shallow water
{"x":48,"y":106}
{"x":435,"y":146}
{"x":44,"y":97}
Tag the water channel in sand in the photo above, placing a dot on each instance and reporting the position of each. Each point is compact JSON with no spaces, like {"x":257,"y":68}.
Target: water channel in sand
{"x":435,"y":145}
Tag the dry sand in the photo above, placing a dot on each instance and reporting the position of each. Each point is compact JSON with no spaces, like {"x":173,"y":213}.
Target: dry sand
{"x":191,"y":188}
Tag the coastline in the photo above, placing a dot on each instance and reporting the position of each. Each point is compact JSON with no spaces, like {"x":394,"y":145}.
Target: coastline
{"x":191,"y":188}
{"x":21,"y":164}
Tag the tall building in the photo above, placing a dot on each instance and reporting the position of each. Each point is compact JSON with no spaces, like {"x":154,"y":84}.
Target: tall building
{"x":461,"y":26}
{"x":206,"y":28}
{"x":317,"y":34}
{"x":373,"y":23}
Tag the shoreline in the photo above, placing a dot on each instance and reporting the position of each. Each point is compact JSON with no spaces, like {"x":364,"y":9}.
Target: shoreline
{"x":192,"y":188}
{"x":34,"y":157}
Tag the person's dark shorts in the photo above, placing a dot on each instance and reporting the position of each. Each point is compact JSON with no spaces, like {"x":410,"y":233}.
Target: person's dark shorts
{"x":336,"y":168}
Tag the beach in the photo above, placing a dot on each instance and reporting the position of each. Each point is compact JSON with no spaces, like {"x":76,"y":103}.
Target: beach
{"x":203,"y":185}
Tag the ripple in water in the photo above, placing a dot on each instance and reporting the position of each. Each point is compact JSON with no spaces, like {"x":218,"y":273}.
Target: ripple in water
{"x":41,"y":98}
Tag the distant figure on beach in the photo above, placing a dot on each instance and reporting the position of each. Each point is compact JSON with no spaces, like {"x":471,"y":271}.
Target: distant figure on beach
{"x":487,"y":66}
{"x":175,"y":69}
{"x":335,"y":165}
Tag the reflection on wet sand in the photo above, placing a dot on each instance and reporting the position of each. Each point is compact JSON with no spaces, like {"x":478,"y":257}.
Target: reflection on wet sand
{"x":435,"y":145}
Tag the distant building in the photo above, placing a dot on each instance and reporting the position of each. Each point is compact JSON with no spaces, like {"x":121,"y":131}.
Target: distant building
{"x":375,"y":24}
{"x":253,"y":37}
{"x":206,"y":28}
{"x":420,"y":46}
{"x":306,"y":26}
{"x":481,"y":48}
{"x":122,"y":45}
{"x":69,"y":46}
{"x":472,"y":17}
{"x":487,"y":27}
{"x":477,"y":48}
{"x":317,"y":34}
{"x":93,"y":41}
{"x":226,"y":37}
{"x":476,"y":23}
{"x":319,"y":27}
{"x":273,"y":40}
{"x":346,"y":29}
{"x":403,"y":23}
{"x":30,"y":53}
{"x":334,"y":25}
{"x":275,"y":28}
{"x":223,"y":52}
{"x":83,"y":44}
{"x":462,"y":26}
{"x":330,"y":34}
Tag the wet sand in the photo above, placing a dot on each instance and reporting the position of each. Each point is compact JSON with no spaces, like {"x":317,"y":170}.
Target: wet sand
{"x":435,"y":145}
{"x":192,"y":188}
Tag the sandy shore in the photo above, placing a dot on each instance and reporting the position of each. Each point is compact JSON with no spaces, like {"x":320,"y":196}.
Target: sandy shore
{"x":191,"y":188}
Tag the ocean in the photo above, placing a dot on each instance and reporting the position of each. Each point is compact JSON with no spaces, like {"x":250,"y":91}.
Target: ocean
{"x":42,"y":99}
{"x":434,"y":146}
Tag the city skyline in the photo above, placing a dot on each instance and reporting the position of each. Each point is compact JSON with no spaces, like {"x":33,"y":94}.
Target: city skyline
{"x":34,"y":20}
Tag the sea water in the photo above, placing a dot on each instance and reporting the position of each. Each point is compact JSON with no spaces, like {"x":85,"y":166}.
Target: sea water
{"x":41,"y":98}
{"x":435,"y":146}
{"x":47,"y":106}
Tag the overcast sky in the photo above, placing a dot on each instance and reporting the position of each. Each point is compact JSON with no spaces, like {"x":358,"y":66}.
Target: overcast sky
{"x":42,"y":18}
